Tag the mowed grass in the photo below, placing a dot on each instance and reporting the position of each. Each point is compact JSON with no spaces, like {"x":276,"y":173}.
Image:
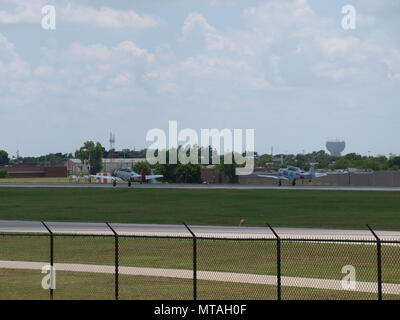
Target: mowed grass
{"x":289,"y":208}
{"x":26,"y":284}
{"x":299,"y":259}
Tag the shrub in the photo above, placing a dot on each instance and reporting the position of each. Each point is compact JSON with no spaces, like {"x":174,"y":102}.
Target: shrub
{"x":3,"y":174}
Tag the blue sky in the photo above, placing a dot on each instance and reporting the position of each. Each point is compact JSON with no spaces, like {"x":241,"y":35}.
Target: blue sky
{"x":285,"y":68}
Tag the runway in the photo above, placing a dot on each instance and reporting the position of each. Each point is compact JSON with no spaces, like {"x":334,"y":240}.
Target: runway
{"x":194,"y":186}
{"x":222,"y":232}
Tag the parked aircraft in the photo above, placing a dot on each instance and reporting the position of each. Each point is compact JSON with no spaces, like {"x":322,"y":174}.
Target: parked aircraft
{"x":129,"y":176}
{"x":293,"y":174}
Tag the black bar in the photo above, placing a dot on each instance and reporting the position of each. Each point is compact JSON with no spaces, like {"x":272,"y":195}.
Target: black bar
{"x":278,"y":263}
{"x":379,"y":257}
{"x":194,"y":262}
{"x":116,"y":238}
{"x":51,"y":259}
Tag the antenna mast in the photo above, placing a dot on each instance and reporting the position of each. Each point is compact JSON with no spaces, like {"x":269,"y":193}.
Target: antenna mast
{"x":112,"y":141}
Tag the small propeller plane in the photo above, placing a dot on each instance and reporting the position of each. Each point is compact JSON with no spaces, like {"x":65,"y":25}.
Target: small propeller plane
{"x":129,"y":176}
{"x":293,"y":174}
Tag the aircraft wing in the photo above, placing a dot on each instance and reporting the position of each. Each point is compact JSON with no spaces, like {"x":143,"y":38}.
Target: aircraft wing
{"x":319,"y":175}
{"x":272,"y":177}
{"x":111,"y":178}
{"x":153,"y":176}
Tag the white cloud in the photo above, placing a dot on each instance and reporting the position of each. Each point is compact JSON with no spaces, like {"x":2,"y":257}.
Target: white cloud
{"x":213,"y":40}
{"x":44,"y":71}
{"x":24,"y":11}
{"x":11,"y":65}
{"x":97,"y":52}
{"x":16,"y":85}
{"x":121,"y":79}
{"x":107,"y":17}
{"x":336,"y":44}
{"x":31,"y":12}
{"x":279,"y":57}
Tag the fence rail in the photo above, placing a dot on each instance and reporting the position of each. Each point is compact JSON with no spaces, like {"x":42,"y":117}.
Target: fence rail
{"x":194,"y":266}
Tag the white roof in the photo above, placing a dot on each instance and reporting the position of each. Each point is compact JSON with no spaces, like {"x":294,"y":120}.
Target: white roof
{"x":113,"y":160}
{"x":123,"y":160}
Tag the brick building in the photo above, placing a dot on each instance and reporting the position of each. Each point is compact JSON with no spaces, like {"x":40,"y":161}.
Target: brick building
{"x":33,"y":170}
{"x":75,"y":166}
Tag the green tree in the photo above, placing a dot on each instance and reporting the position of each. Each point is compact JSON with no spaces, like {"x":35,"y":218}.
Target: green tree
{"x":93,"y":153}
{"x":4,"y":159}
{"x":229,"y":169}
{"x":137,"y":167}
{"x":394,"y":163}
{"x":371,"y":163}
{"x":168,"y":170}
{"x":3,"y":174}
{"x":301,"y":160}
{"x":321,"y":157}
{"x":342,"y":163}
{"x":263,"y":160}
{"x":188,"y":173}
{"x":353,"y":157}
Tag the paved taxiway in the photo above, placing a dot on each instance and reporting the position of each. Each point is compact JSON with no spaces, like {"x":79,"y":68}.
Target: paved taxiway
{"x":160,"y":230}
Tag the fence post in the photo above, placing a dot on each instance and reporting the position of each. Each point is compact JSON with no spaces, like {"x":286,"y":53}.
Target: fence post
{"x":116,"y":239}
{"x":51,"y":259}
{"x":278,"y":263}
{"x":379,"y":256}
{"x":194,"y":262}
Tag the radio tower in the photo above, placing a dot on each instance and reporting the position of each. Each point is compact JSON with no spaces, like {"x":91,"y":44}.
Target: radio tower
{"x":112,"y":141}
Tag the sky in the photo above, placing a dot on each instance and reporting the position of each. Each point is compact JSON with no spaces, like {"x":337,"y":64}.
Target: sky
{"x":285,"y":68}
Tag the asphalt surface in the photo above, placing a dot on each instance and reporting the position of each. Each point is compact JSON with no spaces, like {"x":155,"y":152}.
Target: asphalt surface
{"x":193,"y":186}
{"x":159,"y":230}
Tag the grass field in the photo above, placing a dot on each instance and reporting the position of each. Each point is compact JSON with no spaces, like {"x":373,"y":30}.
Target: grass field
{"x":25,"y":284}
{"x":294,"y":208}
{"x":290,"y":208}
{"x":310,"y":260}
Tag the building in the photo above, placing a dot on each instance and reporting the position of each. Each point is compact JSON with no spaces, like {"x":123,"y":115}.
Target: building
{"x":33,"y":170}
{"x":76,"y":167}
{"x":336,"y":147}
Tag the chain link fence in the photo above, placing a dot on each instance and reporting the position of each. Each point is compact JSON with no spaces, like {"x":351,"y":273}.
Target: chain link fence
{"x":117,"y":264}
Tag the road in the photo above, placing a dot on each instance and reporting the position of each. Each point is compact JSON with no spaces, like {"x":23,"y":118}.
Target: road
{"x":194,"y":186}
{"x":160,"y":230}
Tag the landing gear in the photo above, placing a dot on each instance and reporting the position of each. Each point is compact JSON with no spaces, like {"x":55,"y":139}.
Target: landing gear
{"x":114,"y":183}
{"x":294,"y":183}
{"x":280,"y":183}
{"x":129,"y":184}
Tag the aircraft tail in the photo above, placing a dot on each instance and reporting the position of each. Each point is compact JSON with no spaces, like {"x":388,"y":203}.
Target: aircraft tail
{"x":312,"y":171}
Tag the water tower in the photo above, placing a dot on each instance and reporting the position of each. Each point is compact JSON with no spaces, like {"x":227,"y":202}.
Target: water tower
{"x":336,"y":147}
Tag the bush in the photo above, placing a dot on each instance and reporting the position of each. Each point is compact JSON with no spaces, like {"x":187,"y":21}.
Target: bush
{"x":3,"y":174}
{"x":137,"y":167}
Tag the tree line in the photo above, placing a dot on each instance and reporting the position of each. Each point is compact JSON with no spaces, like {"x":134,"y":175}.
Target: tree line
{"x":92,"y":153}
{"x":323,"y":160}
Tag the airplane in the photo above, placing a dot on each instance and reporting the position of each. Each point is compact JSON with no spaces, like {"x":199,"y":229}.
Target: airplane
{"x":293,"y":174}
{"x":129,"y":176}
